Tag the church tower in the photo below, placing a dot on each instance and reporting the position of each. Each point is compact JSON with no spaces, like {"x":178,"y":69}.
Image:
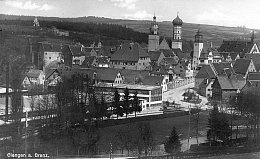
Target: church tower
{"x":177,"y":25}
{"x":153,"y":38}
{"x":198,"y":46}
{"x":36,"y":23}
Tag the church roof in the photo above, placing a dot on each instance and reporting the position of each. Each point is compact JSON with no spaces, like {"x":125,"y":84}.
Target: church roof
{"x":240,"y":46}
{"x":164,"y":45}
{"x":177,"y":21}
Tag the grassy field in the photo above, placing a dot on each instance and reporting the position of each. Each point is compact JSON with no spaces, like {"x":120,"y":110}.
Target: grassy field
{"x":161,"y":128}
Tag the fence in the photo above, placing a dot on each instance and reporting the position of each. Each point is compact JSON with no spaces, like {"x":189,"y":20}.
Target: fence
{"x":180,"y":82}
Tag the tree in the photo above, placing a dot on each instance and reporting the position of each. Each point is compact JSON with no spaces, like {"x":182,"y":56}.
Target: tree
{"x":173,"y":144}
{"x":218,"y":126}
{"x":145,"y":137}
{"x":103,"y":107}
{"x":126,"y":106}
{"x":116,"y":102}
{"x":135,"y":104}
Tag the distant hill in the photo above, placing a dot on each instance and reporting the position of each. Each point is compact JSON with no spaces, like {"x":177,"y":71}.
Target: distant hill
{"x":212,"y":33}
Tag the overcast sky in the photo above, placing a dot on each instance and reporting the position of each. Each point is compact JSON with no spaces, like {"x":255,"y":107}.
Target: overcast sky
{"x":215,"y":12}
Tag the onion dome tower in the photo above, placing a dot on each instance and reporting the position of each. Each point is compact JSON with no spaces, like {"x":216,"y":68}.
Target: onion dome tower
{"x":177,"y":26}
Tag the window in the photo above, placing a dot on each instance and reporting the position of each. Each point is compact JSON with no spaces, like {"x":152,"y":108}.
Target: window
{"x":49,"y":57}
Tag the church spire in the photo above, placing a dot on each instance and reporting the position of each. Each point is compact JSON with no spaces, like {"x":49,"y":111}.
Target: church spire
{"x":253,"y":36}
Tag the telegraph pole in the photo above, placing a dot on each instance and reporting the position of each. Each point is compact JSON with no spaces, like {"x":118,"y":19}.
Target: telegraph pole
{"x":7,"y":88}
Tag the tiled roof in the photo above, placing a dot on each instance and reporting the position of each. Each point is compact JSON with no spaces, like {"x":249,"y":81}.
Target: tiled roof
{"x":167,"y":53}
{"x":49,"y":72}
{"x":153,"y":80}
{"x":34,"y":73}
{"x":251,"y":87}
{"x":164,"y":45}
{"x":241,"y":66}
{"x":106,"y":74}
{"x":234,"y":82}
{"x":103,"y":60}
{"x":240,"y":46}
{"x":77,"y":50}
{"x":154,"y":55}
{"x":205,"y":83}
{"x":232,"y":55}
{"x":51,"y":47}
{"x":256,"y":59}
{"x":171,"y":60}
{"x":206,"y":72}
{"x":129,"y":52}
{"x":159,"y":70}
{"x":133,"y":76}
{"x":88,"y":61}
{"x":220,"y":67}
{"x":253,"y":76}
{"x":181,"y":55}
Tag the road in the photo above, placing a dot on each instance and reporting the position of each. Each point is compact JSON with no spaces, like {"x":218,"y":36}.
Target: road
{"x":176,"y":95}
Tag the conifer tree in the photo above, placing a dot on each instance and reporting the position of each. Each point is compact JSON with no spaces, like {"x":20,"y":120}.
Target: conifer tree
{"x":135,"y":105}
{"x":116,"y":102}
{"x":126,"y":106}
{"x":173,"y":144}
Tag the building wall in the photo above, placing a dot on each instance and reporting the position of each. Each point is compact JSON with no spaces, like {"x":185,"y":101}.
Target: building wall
{"x":51,"y":56}
{"x":143,"y":63}
{"x":177,"y":45}
{"x":153,"y":42}
{"x":198,"y":82}
{"x":196,"y":54}
{"x":80,"y":58}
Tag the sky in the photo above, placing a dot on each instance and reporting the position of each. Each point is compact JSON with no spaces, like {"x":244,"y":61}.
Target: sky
{"x":215,"y":12}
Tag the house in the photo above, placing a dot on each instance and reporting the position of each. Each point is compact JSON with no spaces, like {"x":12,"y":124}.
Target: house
{"x":185,"y":69}
{"x":205,"y":87}
{"x":164,"y":71}
{"x":229,"y":56}
{"x":134,"y":76}
{"x":150,"y":97}
{"x":256,"y":59}
{"x":90,"y":61}
{"x":52,"y":77}
{"x":156,"y":81}
{"x":108,"y":75}
{"x":253,"y":78}
{"x":205,"y":72}
{"x":130,"y":56}
{"x":156,"y":56}
{"x":224,"y":87}
{"x":78,"y":54}
{"x":243,"y":66}
{"x":209,"y":55}
{"x":34,"y":77}
{"x":103,"y":62}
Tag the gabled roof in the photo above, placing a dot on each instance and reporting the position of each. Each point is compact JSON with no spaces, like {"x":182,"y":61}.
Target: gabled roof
{"x":129,"y":52}
{"x":180,"y":54}
{"x":241,"y":66}
{"x":232,"y":55}
{"x":106,"y":74}
{"x":221,"y":67}
{"x":206,"y":72}
{"x":205,"y":83}
{"x":240,"y":46}
{"x":170,"y":60}
{"x":49,"y":72}
{"x":51,"y":47}
{"x":133,"y":76}
{"x":256,"y":59}
{"x":77,"y":50}
{"x":164,"y":45}
{"x":159,"y":70}
{"x":88,"y":61}
{"x":154,"y":55}
{"x":252,"y":87}
{"x":167,"y":53}
{"x":102,"y":60}
{"x":34,"y":73}
{"x":253,"y":76}
{"x":234,"y":82}
{"x":153,"y":80}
